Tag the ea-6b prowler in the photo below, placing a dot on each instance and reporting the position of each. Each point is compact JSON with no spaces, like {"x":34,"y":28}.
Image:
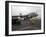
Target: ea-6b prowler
{"x":17,"y":19}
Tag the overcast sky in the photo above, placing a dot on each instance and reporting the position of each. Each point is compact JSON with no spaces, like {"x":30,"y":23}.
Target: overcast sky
{"x":16,"y":10}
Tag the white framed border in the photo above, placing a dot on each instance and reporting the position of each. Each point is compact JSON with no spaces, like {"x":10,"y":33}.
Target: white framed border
{"x":28,"y":31}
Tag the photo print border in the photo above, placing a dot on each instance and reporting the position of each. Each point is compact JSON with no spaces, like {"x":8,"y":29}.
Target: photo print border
{"x":7,"y":17}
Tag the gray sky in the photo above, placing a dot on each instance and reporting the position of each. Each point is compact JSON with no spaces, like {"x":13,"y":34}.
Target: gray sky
{"x":16,"y":10}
